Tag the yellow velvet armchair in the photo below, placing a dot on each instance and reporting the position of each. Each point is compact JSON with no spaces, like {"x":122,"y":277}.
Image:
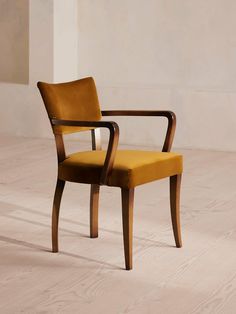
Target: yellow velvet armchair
{"x":74,"y":107}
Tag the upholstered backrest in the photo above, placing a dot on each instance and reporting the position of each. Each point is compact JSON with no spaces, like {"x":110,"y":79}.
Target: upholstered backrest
{"x":76,"y":100}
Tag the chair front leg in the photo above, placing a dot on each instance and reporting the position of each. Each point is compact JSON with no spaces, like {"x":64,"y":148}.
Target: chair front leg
{"x":175,"y":183}
{"x":55,"y":213}
{"x":94,"y":200}
{"x":127,"y":217}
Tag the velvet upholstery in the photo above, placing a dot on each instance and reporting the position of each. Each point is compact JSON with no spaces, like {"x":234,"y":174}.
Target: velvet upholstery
{"x":75,"y":100}
{"x":131,"y":168}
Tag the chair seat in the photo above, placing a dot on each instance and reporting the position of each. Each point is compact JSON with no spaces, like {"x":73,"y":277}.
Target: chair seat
{"x":131,"y":167}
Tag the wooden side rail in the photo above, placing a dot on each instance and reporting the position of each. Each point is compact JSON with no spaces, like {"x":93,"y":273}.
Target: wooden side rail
{"x":157,"y":113}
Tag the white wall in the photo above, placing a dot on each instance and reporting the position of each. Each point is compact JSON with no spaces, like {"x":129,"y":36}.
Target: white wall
{"x":159,"y":54}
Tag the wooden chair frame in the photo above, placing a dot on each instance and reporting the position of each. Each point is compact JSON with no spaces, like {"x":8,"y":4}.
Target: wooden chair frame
{"x":127,"y":194}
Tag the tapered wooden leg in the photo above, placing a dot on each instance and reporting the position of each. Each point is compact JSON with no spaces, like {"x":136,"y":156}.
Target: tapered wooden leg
{"x":175,"y":182}
{"x":94,"y":200}
{"x":127,"y":216}
{"x":55,"y":213}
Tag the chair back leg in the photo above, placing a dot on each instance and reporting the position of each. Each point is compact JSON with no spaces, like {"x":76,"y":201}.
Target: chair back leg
{"x":94,"y":201}
{"x":55,"y":213}
{"x":175,"y":183}
{"x":127,"y":217}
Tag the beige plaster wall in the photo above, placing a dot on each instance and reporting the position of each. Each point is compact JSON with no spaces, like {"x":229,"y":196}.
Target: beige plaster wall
{"x":52,"y":57}
{"x":14,"y":41}
{"x":162,"y":54}
{"x":152,"y":54}
{"x":65,"y":41}
{"x":21,"y":110}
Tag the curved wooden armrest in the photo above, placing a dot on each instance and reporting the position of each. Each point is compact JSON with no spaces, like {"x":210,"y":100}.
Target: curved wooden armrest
{"x":159,"y":113}
{"x":112,"y":144}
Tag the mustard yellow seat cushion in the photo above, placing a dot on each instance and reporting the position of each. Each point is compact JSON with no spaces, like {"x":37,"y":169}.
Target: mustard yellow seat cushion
{"x":131,"y":167}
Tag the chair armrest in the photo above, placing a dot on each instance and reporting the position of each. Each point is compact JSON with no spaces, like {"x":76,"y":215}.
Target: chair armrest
{"x":158,"y":113}
{"x":112,"y":144}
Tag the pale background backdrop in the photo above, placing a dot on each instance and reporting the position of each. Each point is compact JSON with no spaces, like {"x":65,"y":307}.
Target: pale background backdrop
{"x":150,"y":54}
{"x":14,"y":60}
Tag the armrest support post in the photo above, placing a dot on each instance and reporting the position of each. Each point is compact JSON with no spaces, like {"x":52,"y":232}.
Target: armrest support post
{"x":112,"y":144}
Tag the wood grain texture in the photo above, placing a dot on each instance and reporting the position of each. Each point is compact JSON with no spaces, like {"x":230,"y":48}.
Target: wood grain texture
{"x":55,"y":213}
{"x":94,"y":191}
{"x":127,"y":196}
{"x":87,"y":276}
{"x":175,"y":183}
{"x":94,"y":204}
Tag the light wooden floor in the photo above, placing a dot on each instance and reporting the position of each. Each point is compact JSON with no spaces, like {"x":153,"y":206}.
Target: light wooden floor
{"x":87,"y":276}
